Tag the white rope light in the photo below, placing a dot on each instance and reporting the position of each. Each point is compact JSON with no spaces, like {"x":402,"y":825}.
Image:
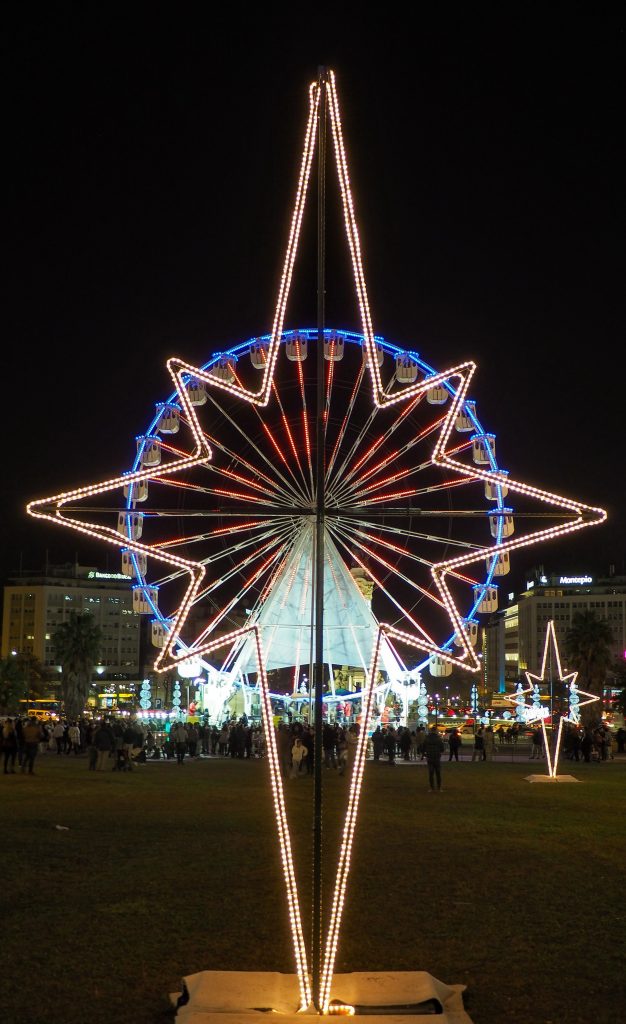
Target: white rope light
{"x":354,"y":487}
{"x":575,"y":704}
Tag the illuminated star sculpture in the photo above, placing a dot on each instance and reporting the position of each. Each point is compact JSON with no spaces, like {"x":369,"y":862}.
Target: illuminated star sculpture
{"x":574,"y":701}
{"x":61,"y":510}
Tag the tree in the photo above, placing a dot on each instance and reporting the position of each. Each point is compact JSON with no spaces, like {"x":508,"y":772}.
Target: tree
{"x":588,"y":645}
{"x":21,"y":676}
{"x":77,"y":647}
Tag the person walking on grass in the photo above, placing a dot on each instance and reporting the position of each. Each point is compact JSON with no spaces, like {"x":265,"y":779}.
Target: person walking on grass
{"x":433,"y":749}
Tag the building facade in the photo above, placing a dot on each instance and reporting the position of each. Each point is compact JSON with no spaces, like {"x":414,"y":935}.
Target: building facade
{"x":36,"y":604}
{"x":516,"y":636}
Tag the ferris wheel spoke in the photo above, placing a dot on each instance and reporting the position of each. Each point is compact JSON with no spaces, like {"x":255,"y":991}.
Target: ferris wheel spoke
{"x":346,"y":419}
{"x":348,"y":547}
{"x":193,"y":488}
{"x":305,"y":419}
{"x":292,"y":444}
{"x":417,"y":535}
{"x":250,"y":582}
{"x":279,"y":451}
{"x":381,"y":440}
{"x":444,"y":485}
{"x":361,"y":435}
{"x":372,"y":552}
{"x":237,"y":458}
{"x":202,"y":538}
{"x":357,"y":494}
{"x":351,"y":483}
{"x":237,"y":568}
{"x":245,"y":481}
{"x":271,"y":535}
{"x":294,"y":491}
{"x":358,"y":530}
{"x":329,"y":384}
{"x":398,"y":453}
{"x":434,"y":538}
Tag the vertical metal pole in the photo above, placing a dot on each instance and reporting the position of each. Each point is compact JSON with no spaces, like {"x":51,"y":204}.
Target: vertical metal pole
{"x":317,"y":929}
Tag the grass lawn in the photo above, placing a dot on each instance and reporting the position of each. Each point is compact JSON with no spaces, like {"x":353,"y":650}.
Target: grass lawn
{"x":513,"y":889}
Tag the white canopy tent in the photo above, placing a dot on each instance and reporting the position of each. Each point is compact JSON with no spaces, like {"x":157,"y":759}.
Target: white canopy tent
{"x":285,"y":622}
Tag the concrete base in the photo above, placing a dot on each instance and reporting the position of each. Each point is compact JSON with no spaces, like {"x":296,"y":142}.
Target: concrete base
{"x":551,"y":778}
{"x":385,"y":997}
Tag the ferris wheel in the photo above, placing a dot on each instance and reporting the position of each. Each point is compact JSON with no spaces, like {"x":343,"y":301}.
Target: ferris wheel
{"x":392,"y":513}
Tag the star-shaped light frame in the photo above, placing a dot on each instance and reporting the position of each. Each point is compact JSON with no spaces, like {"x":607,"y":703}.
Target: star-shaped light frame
{"x":456,"y":381}
{"x":567,"y":679}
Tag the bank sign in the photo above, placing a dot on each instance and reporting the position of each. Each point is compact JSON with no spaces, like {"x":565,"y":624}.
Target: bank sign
{"x":579,"y":581}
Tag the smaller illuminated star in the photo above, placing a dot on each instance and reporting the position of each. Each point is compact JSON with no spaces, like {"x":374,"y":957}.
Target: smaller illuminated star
{"x":568,"y":679}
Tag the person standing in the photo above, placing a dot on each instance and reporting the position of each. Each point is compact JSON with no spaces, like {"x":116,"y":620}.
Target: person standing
{"x":329,"y":743}
{"x":489,"y":741}
{"x":353,"y":740}
{"x":586,"y":745}
{"x":391,"y":741}
{"x":90,"y":742}
{"x":454,"y":744}
{"x":537,"y":744}
{"x":283,"y":749}
{"x":32,"y":739}
{"x":298,"y":755}
{"x":58,"y":735}
{"x":180,"y":737}
{"x":193,"y":737}
{"x":73,"y":735}
{"x":9,"y":746}
{"x":104,"y":742}
{"x":378,"y":743}
{"x":478,"y":753}
{"x":308,"y":741}
{"x":433,"y":749}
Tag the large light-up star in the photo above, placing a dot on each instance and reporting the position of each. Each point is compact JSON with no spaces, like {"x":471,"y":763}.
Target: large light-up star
{"x":574,"y":704}
{"x":61,"y":509}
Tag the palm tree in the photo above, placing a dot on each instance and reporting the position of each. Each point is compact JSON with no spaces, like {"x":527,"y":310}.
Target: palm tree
{"x":77,"y":647}
{"x":588,"y":645}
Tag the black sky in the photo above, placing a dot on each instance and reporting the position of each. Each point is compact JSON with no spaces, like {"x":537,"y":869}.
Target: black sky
{"x":151,"y":171}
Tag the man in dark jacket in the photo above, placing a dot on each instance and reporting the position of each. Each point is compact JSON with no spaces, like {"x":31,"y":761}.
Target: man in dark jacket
{"x":433,"y":749}
{"x":104,"y":742}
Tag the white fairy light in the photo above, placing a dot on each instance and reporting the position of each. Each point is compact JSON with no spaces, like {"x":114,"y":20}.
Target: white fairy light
{"x":188,"y":381}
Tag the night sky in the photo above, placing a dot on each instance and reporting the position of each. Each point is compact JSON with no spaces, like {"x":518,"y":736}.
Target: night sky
{"x":151,"y":172}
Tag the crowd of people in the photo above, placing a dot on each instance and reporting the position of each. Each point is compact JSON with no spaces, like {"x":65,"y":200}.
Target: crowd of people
{"x":119,"y":744}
